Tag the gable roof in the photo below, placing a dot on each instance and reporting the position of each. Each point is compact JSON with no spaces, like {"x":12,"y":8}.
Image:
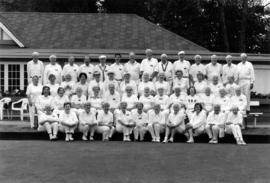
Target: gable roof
{"x":91,"y":31}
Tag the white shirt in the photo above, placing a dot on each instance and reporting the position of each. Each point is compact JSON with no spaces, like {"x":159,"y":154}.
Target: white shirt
{"x":181,"y":99}
{"x":176,"y":119}
{"x":68,"y":86}
{"x":118,"y":70}
{"x":35,"y":69}
{"x":213,"y":70}
{"x":133,"y":69}
{"x":72,"y":70}
{"x":216,"y":119}
{"x":200,"y":87}
{"x":139,"y":119}
{"x":42,"y":101}
{"x":131,"y":101}
{"x":53,"y":88}
{"x":166,"y":68}
{"x":124,"y":117}
{"x":113,"y":100}
{"x":58,"y":102}
{"x":88,"y":70}
{"x":182,"y":65}
{"x":246,"y":71}
{"x":165,"y":85}
{"x":103,"y":70}
{"x":105,"y":118}
{"x":70,"y":118}
{"x":198,"y":120}
{"x":208,"y":102}
{"x":132,"y":84}
{"x":156,"y":118}
{"x":54,"y":69}
{"x":191,"y":101}
{"x":108,"y":82}
{"x":181,"y":83}
{"x":75,"y":99}
{"x":33,"y":91}
{"x":230,"y":88}
{"x":163,"y":101}
{"x":240,"y":102}
{"x":88,"y":118}
{"x":235,"y":119}
{"x":224,"y":102}
{"x":195,"y":69}
{"x":42,"y":117}
{"x":95,"y":102}
{"x":84,"y":88}
{"x":148,"y":65}
{"x":147,"y":101}
{"x":143,"y":85}
{"x":92,"y":84}
{"x":228,"y":71}
{"x":215,"y":88}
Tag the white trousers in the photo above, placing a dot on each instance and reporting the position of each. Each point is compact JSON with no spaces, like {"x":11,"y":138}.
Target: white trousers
{"x":32,"y":111}
{"x":235,"y":130}
{"x":245,"y":88}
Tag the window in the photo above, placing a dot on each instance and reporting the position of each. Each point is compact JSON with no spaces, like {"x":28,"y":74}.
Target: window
{"x":3,"y":35}
{"x":13,"y":77}
{"x":2,"y":77}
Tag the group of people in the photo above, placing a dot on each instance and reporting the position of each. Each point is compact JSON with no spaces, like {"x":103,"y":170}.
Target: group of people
{"x":135,"y":98}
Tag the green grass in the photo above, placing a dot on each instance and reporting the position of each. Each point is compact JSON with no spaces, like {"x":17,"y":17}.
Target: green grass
{"x":117,"y":162}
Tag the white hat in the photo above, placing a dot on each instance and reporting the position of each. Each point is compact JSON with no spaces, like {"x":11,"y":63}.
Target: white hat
{"x":102,"y":56}
{"x":181,"y":53}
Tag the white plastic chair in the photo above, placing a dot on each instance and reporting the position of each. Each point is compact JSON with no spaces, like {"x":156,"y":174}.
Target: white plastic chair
{"x":22,"y":108}
{"x":4,"y":101}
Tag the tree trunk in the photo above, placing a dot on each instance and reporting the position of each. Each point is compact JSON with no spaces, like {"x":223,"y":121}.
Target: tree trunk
{"x":243,"y":26}
{"x":223,"y":25}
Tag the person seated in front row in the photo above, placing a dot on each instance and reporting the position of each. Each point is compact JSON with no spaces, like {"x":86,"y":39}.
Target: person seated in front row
{"x":112,"y":97}
{"x":59,"y":100}
{"x":96,"y":100}
{"x":196,"y":125}
{"x":175,"y":123}
{"x":161,"y":83}
{"x":156,"y":122}
{"x":77,"y":101}
{"x":124,"y":123}
{"x":68,"y":120}
{"x":128,"y":82}
{"x":146,"y":99}
{"x":130,"y":98}
{"x":233,"y":125}
{"x":140,"y":118}
{"x":215,"y":124}
{"x":48,"y":121}
{"x":145,"y":83}
{"x":208,"y":100}
{"x":68,"y":85}
{"x":105,"y":122}
{"x":87,"y":121}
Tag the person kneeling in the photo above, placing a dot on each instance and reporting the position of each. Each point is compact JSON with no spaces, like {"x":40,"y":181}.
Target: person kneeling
{"x":69,"y":121}
{"x":156,"y":124}
{"x":175,"y":123}
{"x":140,"y":118}
{"x":196,"y":125}
{"x":105,"y":122}
{"x":88,"y":122}
{"x":215,"y":125}
{"x":124,"y":123}
{"x":49,"y":121}
{"x":233,"y":125}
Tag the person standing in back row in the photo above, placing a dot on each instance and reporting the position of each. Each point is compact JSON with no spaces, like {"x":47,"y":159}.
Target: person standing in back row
{"x":149,"y":64}
{"x":182,"y":65}
{"x":70,"y":68}
{"x":246,"y":77}
{"x":35,"y":67}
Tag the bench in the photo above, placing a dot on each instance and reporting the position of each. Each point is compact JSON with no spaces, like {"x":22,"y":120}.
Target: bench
{"x":255,"y":114}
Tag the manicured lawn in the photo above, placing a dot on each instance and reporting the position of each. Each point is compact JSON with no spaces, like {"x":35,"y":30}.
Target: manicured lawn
{"x":99,"y":162}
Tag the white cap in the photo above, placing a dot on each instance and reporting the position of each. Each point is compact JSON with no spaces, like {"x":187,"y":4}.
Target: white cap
{"x":102,"y":56}
{"x":181,"y":53}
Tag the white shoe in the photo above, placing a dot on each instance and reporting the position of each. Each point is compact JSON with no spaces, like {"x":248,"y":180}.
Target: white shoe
{"x":214,"y":141}
{"x":191,"y":141}
{"x":91,"y":138}
{"x":71,"y":138}
{"x":243,"y":142}
{"x":157,"y":139}
{"x":165,"y":140}
{"x":84,"y":138}
{"x":154,"y":139}
{"x":67,"y":138}
{"x":171,"y":140}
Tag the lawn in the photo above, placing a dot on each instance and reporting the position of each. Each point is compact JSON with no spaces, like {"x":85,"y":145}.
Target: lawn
{"x":117,"y":162}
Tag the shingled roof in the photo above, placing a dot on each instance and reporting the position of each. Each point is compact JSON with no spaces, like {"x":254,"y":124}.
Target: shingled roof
{"x":91,"y":31}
